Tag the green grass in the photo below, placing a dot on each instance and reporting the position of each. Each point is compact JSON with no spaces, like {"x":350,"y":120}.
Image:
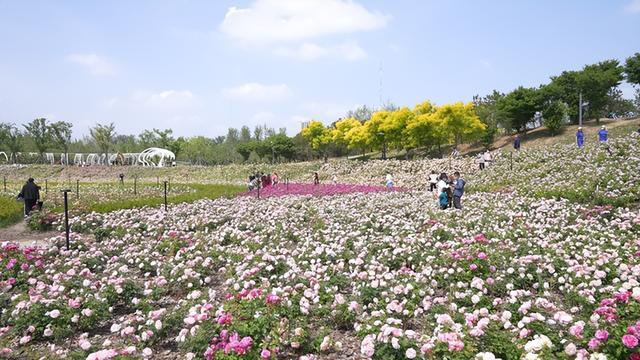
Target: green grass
{"x":10,"y":211}
{"x":203,"y":191}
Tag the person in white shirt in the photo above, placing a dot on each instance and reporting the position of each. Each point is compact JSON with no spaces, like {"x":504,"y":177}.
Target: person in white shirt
{"x":433,"y":180}
{"x":389,"y":181}
{"x":487,"y":158}
{"x":481,"y":161}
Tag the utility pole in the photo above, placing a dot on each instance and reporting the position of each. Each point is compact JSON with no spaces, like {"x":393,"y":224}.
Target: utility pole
{"x":580,"y":110}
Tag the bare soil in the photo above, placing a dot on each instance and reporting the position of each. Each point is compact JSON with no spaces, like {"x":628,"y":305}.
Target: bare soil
{"x":19,"y":233}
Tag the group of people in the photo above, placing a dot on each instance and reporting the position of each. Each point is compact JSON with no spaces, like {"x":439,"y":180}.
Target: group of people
{"x":261,"y":180}
{"x":603,"y":136}
{"x":484,"y":159}
{"x":449,"y":189}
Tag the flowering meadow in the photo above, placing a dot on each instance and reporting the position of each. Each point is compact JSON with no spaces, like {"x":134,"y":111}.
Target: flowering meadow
{"x":382,"y":275}
{"x":317,"y":190}
{"x":524,"y":271}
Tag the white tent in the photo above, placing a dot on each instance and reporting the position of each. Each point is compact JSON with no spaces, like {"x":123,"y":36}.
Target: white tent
{"x":148,"y":157}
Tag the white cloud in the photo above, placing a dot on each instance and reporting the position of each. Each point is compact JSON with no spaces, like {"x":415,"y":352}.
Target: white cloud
{"x":272,"y":21}
{"x":263,"y":117}
{"x":633,"y":6}
{"x":95,"y":64}
{"x":258,"y":92}
{"x":167,"y":98}
{"x":309,"y":51}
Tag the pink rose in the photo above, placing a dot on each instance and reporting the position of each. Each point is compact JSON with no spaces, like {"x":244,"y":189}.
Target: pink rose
{"x":265,"y":354}
{"x":602,"y":335}
{"x":630,"y":341}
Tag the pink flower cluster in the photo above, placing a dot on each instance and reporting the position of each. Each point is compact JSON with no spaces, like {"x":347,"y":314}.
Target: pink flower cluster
{"x":229,"y":344}
{"x":632,"y":336}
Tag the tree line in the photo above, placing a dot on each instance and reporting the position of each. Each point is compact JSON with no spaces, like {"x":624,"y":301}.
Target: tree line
{"x":426,"y":126}
{"x":429,"y":127}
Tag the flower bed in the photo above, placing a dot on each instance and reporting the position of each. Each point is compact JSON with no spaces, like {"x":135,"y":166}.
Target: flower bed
{"x":317,"y":190}
{"x":382,"y":275}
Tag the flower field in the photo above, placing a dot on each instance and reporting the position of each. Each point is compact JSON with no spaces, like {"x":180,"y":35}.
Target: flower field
{"x":531,"y":268}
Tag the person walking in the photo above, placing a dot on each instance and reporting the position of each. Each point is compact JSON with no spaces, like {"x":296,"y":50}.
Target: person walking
{"x":31,"y":194}
{"x":481,"y":161}
{"x":433,"y":180}
{"x":316,"y":178}
{"x":580,"y":137}
{"x":603,"y":134}
{"x":516,"y":142}
{"x":458,"y":190}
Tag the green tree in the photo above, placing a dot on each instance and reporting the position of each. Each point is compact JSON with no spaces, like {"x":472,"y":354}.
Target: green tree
{"x":596,"y":82}
{"x":489,"y":113}
{"x":61,"y":136}
{"x":618,"y":106}
{"x":177,"y":145}
{"x":198,"y":150}
{"x":245,"y":134}
{"x":164,"y":137}
{"x":361,"y":113}
{"x":12,"y":137}
{"x":632,"y":69}
{"x":281,"y":146}
{"x":104,"y":136}
{"x":245,"y":149}
{"x":519,"y":106}
{"x":148,"y":138}
{"x":38,"y":130}
{"x":233,"y":136}
{"x":554,"y":115}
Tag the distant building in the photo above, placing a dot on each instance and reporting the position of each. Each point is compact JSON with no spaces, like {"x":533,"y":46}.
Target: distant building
{"x":305,"y":124}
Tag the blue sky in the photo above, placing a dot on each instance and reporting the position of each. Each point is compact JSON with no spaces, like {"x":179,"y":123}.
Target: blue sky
{"x":199,"y":67}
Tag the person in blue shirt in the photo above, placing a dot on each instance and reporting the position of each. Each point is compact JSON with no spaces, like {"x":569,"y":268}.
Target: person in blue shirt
{"x":443,"y":200}
{"x":458,"y":190}
{"x":580,"y":137}
{"x":516,"y":142}
{"x":603,"y":134}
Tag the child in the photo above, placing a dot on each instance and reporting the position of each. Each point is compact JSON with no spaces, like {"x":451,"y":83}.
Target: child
{"x":443,"y":200}
{"x":389,"y":181}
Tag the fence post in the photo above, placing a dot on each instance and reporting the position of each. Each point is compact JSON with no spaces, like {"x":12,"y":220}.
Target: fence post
{"x":77,"y":189}
{"x":66,"y":216}
{"x":258,"y":191}
{"x":5,"y":183}
{"x":511,"y":160}
{"x":46,"y":186}
{"x":165,"y":195}
{"x":135,"y":185}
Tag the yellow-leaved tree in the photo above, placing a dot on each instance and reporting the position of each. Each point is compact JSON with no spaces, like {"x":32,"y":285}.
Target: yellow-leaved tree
{"x":460,"y":122}
{"x":341,"y":128}
{"x":318,"y":136}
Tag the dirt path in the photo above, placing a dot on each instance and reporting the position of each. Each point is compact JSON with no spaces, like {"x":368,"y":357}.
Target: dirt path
{"x":19,"y":233}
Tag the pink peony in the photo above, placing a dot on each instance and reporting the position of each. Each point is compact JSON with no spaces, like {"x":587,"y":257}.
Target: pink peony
{"x":630,"y":341}
{"x":265,"y":354}
{"x":602,"y":335}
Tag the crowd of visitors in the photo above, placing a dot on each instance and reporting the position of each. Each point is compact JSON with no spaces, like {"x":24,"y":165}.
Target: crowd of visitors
{"x":449,"y":189}
{"x":261,"y":180}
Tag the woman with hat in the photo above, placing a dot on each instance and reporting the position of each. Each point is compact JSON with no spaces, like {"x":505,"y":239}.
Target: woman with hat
{"x":580,"y":137}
